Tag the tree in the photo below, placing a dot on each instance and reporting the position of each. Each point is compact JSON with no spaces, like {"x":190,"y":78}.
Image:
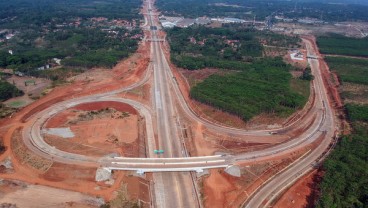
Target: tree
{"x":307,"y":74}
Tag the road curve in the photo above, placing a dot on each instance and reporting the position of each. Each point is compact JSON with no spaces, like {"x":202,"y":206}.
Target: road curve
{"x":163,"y":114}
{"x":264,"y":196}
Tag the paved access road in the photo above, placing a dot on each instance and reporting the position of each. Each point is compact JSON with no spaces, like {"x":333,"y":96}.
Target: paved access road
{"x":176,"y":189}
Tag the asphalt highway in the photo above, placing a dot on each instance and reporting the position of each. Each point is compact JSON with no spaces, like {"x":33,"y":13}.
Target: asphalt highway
{"x":173,"y":184}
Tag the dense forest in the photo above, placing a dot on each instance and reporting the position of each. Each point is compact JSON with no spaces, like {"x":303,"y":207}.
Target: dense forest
{"x":345,"y":183}
{"x":263,"y":88}
{"x":261,"y":9}
{"x":341,"y":45}
{"x":39,"y":12}
{"x":350,"y":69}
{"x":83,"y":47}
{"x":357,"y":112}
{"x":82,"y":33}
{"x":228,"y":47}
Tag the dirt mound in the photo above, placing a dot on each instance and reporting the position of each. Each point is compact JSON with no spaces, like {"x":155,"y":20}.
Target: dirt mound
{"x":106,"y":104}
{"x":26,"y":156}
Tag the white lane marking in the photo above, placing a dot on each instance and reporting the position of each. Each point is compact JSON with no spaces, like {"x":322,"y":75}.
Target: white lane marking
{"x":170,"y":158}
{"x":158,"y":99}
{"x":168,"y":163}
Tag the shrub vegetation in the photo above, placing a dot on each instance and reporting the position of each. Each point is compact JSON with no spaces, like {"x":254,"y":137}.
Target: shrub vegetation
{"x":8,"y":91}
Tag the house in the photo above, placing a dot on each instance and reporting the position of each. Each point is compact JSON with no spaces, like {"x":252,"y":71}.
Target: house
{"x":297,"y":55}
{"x":18,"y":73}
{"x":9,"y":36}
{"x":57,"y":61}
{"x":192,"y":40}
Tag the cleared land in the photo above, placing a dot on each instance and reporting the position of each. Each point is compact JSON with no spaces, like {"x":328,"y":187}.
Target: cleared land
{"x":99,"y":128}
{"x":21,"y":194}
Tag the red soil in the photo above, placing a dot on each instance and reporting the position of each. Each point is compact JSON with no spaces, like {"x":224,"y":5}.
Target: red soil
{"x":60,"y":119}
{"x":99,"y":136}
{"x":127,"y":72}
{"x":332,"y":88}
{"x":303,"y":193}
{"x":223,"y":190}
{"x":106,"y":104}
{"x":216,"y":187}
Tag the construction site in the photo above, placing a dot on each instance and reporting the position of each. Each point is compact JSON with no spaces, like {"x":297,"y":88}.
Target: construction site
{"x":93,"y":141}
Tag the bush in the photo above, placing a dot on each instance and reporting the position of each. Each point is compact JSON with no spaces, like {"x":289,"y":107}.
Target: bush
{"x":8,"y":91}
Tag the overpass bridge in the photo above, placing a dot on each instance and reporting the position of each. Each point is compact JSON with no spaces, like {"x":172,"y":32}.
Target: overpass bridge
{"x":313,"y":57}
{"x":142,"y":165}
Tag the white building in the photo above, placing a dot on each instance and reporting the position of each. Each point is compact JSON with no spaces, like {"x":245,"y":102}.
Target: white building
{"x":167,"y":24}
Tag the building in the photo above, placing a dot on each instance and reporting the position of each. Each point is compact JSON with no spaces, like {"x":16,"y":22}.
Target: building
{"x":57,"y":61}
{"x":296,"y":55}
{"x":167,"y":24}
{"x":233,"y":20}
{"x":228,"y":20}
{"x":184,"y":23}
{"x":9,"y":36}
{"x":202,"y":20}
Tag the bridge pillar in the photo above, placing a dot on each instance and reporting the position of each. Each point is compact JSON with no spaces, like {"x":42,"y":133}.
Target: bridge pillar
{"x":199,"y":170}
{"x":103,"y":174}
{"x":140,"y":172}
{"x":203,"y":173}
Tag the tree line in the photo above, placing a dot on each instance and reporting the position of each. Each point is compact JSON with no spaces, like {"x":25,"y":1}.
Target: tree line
{"x":323,"y":10}
{"x":341,"y":45}
{"x":345,"y":182}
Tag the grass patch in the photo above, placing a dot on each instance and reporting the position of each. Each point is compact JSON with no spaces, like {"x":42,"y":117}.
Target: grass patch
{"x":301,"y":87}
{"x":17,"y":104}
{"x":354,"y":93}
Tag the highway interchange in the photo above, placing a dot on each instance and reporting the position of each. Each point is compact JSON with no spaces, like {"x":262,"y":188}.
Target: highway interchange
{"x":174,"y":184}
